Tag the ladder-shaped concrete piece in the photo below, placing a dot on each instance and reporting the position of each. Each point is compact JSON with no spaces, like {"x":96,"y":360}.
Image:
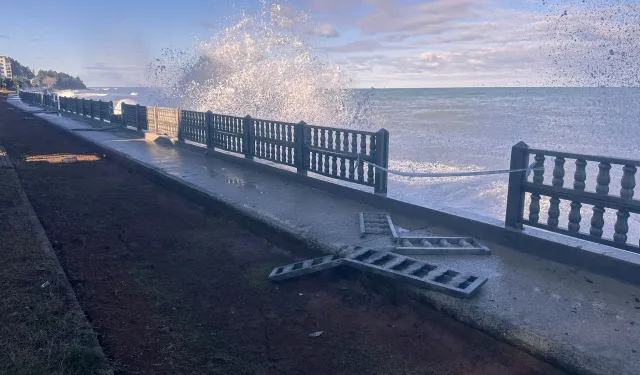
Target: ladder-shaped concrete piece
{"x":305,"y":267}
{"x":416,"y":272}
{"x":376,"y":223}
{"x":440,"y":246}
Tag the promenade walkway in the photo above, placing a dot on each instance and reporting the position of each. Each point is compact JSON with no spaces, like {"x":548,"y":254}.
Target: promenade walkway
{"x":580,"y":321}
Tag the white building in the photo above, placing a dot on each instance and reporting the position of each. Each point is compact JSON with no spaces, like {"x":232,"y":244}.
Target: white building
{"x":5,"y":67}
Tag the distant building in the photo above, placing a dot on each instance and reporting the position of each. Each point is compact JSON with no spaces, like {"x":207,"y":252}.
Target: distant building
{"x":5,"y":67}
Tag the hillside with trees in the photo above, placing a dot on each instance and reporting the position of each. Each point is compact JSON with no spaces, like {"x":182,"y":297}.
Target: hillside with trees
{"x":24,"y":76}
{"x":57,"y":80}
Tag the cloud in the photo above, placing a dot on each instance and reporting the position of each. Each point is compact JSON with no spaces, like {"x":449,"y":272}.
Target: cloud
{"x":208,"y":25}
{"x":357,"y":46}
{"x":474,"y":41}
{"x":103,"y":68}
{"x":324,"y":30}
{"x":4,"y":36}
{"x":333,"y":6}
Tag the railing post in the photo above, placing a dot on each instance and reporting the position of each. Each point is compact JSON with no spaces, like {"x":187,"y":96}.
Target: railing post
{"x":301,"y":148}
{"x":381,"y":177}
{"x":208,"y":132}
{"x":516,"y":195}
{"x":247,"y":137}
{"x":100,"y":110}
{"x":138,"y":117}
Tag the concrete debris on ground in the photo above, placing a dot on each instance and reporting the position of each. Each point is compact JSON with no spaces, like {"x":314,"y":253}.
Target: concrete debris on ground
{"x":395,"y":266}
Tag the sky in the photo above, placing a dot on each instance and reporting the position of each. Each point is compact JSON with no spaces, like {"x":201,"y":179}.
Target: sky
{"x":380,"y":43}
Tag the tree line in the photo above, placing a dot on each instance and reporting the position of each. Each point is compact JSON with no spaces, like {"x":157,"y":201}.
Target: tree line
{"x":23,"y":77}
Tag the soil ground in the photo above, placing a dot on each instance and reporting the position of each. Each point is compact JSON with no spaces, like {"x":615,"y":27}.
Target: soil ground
{"x":42,"y":327}
{"x":173,"y":289}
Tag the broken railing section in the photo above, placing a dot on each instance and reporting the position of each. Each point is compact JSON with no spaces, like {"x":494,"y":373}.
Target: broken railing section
{"x":305,"y":267}
{"x":415,"y":272}
{"x":440,"y":246}
{"x":390,"y":265}
{"x":376,"y":223}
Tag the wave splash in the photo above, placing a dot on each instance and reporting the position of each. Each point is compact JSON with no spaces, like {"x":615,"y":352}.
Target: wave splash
{"x":263,"y":66}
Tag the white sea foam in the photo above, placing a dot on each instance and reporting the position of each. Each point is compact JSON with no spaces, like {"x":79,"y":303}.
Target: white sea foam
{"x":263,"y":66}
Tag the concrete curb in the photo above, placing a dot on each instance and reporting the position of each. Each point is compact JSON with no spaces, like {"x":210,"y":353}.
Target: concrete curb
{"x":47,"y":248}
{"x":566,"y":357}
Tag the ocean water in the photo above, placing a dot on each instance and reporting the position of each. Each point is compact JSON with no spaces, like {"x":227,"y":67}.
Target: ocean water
{"x":473,"y":129}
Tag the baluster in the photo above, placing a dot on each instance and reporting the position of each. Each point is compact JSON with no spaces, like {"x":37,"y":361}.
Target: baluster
{"x":538,"y":178}
{"x":603,"y":180}
{"x":534,"y":208}
{"x":334,"y":166}
{"x":326,"y":164}
{"x":256,"y":140}
{"x":558,"y":172}
{"x":322,"y":138}
{"x":278,"y":129}
{"x":352,"y":163}
{"x":538,"y":173}
{"x":269,"y":144}
{"x":628,"y":182}
{"x":330,"y":141}
{"x":597,"y":221}
{"x":369,"y":173}
{"x":372,"y":151}
{"x":338,"y":141}
{"x":290,"y":139}
{"x":263,"y":129}
{"x":360,"y":171}
{"x":558,"y":181}
{"x":315,"y":137}
{"x":354,"y":143}
{"x":579,"y":178}
{"x":345,"y":142}
{"x":343,"y":168}
{"x":314,"y":163}
{"x":621,"y":228}
{"x":352,"y":169}
{"x":263,"y":144}
{"x":575,"y":217}
{"x":554,"y":212}
{"x":581,"y":175}
{"x":363,"y":144}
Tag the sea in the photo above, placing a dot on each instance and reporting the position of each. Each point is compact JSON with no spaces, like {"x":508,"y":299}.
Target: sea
{"x":473,"y":129}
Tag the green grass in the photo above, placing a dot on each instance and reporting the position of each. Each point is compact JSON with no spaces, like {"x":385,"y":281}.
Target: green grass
{"x":42,"y":329}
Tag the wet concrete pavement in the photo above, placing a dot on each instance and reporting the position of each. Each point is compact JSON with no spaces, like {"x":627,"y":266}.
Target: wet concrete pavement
{"x":583,"y":322}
